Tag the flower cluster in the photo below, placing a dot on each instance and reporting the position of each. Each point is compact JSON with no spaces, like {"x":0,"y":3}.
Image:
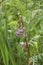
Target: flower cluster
{"x":21,"y":28}
{"x":21,"y":31}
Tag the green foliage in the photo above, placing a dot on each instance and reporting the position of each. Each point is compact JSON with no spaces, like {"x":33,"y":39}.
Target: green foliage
{"x":11,"y":52}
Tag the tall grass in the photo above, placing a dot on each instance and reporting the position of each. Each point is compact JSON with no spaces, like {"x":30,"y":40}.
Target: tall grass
{"x":31,"y":17}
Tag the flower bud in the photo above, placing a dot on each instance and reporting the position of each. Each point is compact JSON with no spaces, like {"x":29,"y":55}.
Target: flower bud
{"x":24,"y":35}
{"x":23,"y":44}
{"x":23,"y":28}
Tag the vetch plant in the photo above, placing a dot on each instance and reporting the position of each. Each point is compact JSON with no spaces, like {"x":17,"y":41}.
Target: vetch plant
{"x":21,"y":32}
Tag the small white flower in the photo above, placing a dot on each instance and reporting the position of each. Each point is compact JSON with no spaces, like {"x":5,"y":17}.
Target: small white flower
{"x":22,"y":44}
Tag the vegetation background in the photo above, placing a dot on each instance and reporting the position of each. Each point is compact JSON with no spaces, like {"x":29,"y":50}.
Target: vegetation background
{"x":14,"y":16}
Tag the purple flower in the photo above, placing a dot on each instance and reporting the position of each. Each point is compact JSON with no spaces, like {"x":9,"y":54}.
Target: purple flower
{"x":18,"y":32}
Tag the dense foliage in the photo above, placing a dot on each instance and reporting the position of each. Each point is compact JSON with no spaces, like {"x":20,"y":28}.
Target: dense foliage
{"x":21,"y":32}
